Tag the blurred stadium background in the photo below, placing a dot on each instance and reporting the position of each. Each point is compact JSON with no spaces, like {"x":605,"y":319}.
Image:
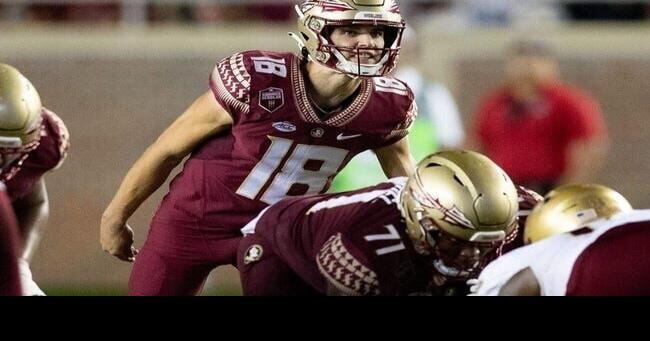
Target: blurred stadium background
{"x":118,"y":72}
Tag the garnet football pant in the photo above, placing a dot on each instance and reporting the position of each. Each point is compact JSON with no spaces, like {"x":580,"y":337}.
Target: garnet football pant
{"x":263,"y":273}
{"x":176,"y":258}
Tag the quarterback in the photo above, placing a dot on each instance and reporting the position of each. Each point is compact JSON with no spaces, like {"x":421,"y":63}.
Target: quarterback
{"x":272,"y":125}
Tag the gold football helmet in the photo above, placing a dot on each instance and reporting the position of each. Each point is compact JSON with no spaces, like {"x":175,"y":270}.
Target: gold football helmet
{"x":569,"y":207}
{"x":316,"y":20}
{"x":20,"y":112}
{"x":459,"y":200}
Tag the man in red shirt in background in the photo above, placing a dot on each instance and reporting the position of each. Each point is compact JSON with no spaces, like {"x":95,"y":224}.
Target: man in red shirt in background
{"x":541,"y":131}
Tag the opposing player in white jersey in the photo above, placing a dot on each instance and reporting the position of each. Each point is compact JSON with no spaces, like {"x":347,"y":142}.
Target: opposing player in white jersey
{"x":584,"y":240}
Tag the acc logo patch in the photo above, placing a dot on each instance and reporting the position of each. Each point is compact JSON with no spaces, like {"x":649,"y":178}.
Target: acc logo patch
{"x":271,"y":99}
{"x":284,"y":126}
{"x":253,"y":254}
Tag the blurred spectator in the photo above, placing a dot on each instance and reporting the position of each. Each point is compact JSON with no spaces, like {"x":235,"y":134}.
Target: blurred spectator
{"x":273,"y":12}
{"x":540,"y":130}
{"x":629,"y":10}
{"x":206,"y":13}
{"x":437,"y":126}
{"x":169,"y":13}
{"x":497,"y":13}
{"x":449,"y":13}
{"x":94,"y":13}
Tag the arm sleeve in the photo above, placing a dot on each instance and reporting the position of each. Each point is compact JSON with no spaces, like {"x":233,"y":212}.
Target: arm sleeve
{"x":230,"y":83}
{"x":346,"y":274}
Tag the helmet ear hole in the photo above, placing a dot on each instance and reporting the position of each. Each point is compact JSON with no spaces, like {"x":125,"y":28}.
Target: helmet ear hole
{"x":458,"y":180}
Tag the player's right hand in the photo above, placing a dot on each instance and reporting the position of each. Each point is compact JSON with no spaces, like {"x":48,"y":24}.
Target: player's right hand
{"x":117,"y":240}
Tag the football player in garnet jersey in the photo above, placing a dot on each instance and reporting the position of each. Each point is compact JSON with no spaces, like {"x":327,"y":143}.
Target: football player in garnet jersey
{"x":583,"y":240}
{"x":272,"y":125}
{"x":425,"y":234}
{"x":33,"y":141}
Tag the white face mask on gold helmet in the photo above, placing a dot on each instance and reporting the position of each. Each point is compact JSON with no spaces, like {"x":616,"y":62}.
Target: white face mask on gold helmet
{"x":317,"y":19}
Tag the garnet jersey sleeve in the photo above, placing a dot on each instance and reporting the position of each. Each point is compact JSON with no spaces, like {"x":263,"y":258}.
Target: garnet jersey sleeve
{"x":49,"y":155}
{"x":230,"y":83}
{"x":346,"y":269}
{"x":53,"y":146}
{"x":394,"y":95}
{"x":404,"y":127}
{"x":60,"y":137}
{"x":371,"y":260}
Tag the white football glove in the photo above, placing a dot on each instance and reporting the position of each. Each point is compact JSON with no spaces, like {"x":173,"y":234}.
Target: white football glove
{"x":30,"y":288}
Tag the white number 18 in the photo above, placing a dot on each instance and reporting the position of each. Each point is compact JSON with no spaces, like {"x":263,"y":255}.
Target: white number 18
{"x":292,"y":171}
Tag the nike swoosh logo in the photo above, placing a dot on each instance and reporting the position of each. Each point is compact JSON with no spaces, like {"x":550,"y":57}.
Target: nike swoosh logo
{"x":342,"y":137}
